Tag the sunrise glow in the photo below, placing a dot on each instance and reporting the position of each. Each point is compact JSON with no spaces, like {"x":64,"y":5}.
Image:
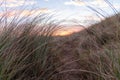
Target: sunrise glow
{"x":62,"y":33}
{"x":60,"y":10}
{"x":68,"y":31}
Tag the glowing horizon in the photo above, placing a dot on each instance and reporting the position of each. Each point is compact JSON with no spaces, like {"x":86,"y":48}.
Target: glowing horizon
{"x":68,"y":31}
{"x":67,"y":10}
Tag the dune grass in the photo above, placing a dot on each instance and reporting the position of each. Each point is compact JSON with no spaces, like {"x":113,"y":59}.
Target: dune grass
{"x":25,"y":49}
{"x":28,"y":51}
{"x":94,"y":51}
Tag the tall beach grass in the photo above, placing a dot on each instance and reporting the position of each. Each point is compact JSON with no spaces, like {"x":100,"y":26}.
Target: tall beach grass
{"x":28,"y":51}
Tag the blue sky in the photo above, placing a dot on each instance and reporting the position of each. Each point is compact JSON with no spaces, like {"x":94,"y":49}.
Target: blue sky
{"x":64,"y":9}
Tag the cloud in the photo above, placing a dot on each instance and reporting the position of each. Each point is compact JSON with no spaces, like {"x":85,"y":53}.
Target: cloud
{"x":75,"y":3}
{"x":46,"y":0}
{"x":17,"y":3}
{"x":24,"y":13}
{"x":98,"y":3}
{"x":116,"y":6}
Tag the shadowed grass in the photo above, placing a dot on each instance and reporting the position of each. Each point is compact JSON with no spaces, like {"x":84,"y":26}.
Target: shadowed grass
{"x":25,"y":50}
{"x":92,"y":54}
{"x":94,"y":51}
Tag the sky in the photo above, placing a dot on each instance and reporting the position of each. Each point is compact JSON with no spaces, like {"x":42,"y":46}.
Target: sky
{"x":85,"y":11}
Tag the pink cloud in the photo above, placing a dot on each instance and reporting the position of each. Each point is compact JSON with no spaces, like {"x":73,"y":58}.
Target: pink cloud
{"x":16,"y":3}
{"x":24,"y":13}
